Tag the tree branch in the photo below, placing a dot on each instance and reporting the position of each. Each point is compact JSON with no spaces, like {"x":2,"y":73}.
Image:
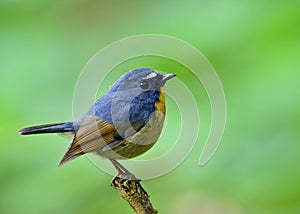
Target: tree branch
{"x":133,"y":192}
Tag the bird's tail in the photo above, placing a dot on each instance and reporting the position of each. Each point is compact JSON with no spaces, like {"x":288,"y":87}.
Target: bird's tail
{"x":48,"y":128}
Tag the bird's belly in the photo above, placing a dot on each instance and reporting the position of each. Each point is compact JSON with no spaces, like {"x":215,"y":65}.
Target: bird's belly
{"x":140,"y":142}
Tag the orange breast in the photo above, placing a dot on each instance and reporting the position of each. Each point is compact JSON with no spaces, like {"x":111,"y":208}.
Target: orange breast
{"x":160,"y":104}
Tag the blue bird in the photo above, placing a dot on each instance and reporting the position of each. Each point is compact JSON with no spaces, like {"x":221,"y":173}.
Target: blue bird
{"x":124,"y":123}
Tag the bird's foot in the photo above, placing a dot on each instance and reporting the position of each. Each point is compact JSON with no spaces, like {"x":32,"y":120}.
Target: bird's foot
{"x":123,"y":174}
{"x":120,"y":178}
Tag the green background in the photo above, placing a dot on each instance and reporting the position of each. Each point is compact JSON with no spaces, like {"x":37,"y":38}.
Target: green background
{"x":254,"y":47}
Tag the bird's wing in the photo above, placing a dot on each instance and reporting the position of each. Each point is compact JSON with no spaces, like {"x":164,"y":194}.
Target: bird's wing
{"x":135,"y":127}
{"x":92,"y":134}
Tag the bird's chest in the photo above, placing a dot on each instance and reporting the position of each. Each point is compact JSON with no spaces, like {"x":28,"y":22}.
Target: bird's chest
{"x":136,"y":142}
{"x":147,"y":136}
{"x":151,"y":131}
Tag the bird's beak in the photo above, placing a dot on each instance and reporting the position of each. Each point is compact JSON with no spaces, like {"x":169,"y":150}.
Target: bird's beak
{"x":167,"y":77}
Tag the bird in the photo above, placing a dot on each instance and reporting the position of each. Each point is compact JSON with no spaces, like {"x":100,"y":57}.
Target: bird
{"x":124,"y":123}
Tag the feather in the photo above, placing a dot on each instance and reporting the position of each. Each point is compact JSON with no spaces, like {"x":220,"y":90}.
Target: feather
{"x":48,"y":128}
{"x":92,"y":134}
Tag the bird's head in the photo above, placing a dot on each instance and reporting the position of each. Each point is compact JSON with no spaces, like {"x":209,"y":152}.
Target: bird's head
{"x":141,"y":79}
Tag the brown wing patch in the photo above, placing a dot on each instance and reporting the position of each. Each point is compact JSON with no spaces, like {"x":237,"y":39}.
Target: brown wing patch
{"x":91,"y":135}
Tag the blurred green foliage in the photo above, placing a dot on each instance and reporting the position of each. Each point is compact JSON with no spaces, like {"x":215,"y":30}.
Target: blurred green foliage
{"x":253,"y":45}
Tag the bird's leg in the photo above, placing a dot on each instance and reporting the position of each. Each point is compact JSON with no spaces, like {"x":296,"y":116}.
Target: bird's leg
{"x":123,"y":173}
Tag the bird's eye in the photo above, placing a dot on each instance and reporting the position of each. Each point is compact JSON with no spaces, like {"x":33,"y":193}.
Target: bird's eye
{"x":144,"y":85}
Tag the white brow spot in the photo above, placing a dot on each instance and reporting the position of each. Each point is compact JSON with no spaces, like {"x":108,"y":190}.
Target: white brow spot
{"x":151,"y":75}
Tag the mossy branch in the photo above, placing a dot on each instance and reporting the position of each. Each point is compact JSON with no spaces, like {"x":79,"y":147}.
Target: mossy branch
{"x":133,"y":192}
